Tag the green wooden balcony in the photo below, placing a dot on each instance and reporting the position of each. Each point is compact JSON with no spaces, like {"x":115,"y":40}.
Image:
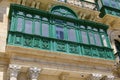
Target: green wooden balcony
{"x":111,"y":7}
{"x":58,"y":31}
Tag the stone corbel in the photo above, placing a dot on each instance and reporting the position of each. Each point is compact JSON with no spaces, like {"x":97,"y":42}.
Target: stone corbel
{"x":23,"y":2}
{"x":33,"y":4}
{"x":14,"y":71}
{"x":19,"y":1}
{"x":94,"y":76}
{"x":110,"y":77}
{"x":64,"y":76}
{"x":38,"y":5}
{"x":34,"y":73}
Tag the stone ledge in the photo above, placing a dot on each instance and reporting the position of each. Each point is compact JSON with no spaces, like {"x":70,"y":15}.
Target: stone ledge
{"x":58,"y":56}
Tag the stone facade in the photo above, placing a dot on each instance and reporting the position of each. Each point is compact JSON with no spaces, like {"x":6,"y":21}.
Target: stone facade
{"x":18,"y":63}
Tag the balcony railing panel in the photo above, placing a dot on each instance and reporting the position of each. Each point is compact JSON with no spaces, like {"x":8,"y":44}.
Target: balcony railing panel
{"x":55,"y":45}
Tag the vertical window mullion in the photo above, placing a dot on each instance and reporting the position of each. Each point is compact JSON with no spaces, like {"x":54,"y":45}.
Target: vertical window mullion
{"x":79,"y":36}
{"x":23,"y":29}
{"x":33,"y":29}
{"x":65,"y":33}
{"x":40,"y":27}
{"x":13,"y":23}
{"x":54,"y":31}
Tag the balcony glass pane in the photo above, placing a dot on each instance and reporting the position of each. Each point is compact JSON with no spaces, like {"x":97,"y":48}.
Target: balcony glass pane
{"x":71,"y":35}
{"x":84,"y":37}
{"x":106,"y":2}
{"x":37,"y":28}
{"x":113,"y":3}
{"x":28,"y":26}
{"x":19,"y":24}
{"x":59,"y":32}
{"x":104,"y":40}
{"x":97,"y":39}
{"x":45,"y":29}
{"x":91,"y":36}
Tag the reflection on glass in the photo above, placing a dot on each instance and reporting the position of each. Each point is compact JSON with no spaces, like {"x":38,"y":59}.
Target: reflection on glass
{"x":84,"y":37}
{"x":37,"y":28}
{"x":106,"y":2}
{"x":113,"y":4}
{"x":91,"y":36}
{"x":59,"y":32}
{"x":28,"y":26}
{"x":97,"y":39}
{"x":71,"y":35}
{"x":104,"y":40}
{"x":19,"y":24}
{"x":45,"y":29}
{"x":100,"y":4}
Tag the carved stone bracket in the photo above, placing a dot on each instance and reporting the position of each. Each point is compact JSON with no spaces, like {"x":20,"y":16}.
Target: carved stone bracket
{"x":34,"y":73}
{"x":94,"y":76}
{"x":14,"y":70}
{"x":110,"y":77}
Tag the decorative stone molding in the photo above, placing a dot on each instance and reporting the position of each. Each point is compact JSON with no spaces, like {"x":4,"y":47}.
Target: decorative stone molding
{"x":34,"y":73}
{"x":14,"y":71}
{"x":110,"y":77}
{"x":94,"y":76}
{"x":64,"y":76}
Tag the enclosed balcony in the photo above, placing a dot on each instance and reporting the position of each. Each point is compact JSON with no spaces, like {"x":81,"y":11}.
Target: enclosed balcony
{"x":58,"y":30}
{"x":109,"y":7}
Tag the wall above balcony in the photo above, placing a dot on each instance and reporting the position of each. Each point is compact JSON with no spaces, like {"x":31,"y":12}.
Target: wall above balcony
{"x":82,"y":12}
